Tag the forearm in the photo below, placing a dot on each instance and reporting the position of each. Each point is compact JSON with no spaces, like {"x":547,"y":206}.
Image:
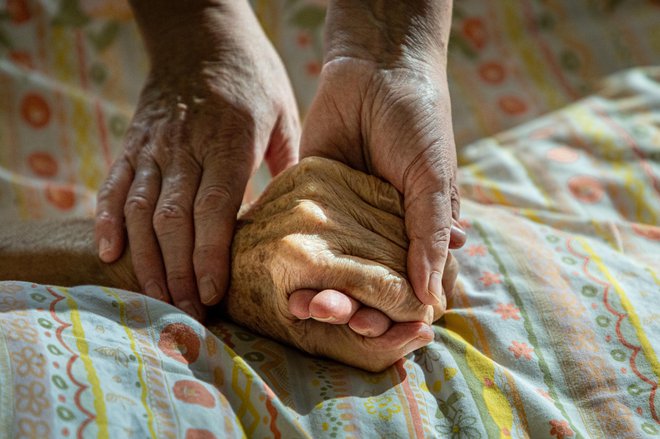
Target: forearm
{"x":190,"y":31}
{"x":390,"y":33}
{"x":59,"y":252}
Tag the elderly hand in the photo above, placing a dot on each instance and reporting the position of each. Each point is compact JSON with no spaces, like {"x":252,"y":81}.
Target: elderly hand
{"x":324,"y":228}
{"x":216,"y":101}
{"x":383,"y":108}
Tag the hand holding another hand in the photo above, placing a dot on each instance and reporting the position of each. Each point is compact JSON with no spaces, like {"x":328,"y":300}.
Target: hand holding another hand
{"x":325,"y":245}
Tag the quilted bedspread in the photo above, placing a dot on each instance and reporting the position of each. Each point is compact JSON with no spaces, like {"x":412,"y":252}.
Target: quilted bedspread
{"x":553,"y":330}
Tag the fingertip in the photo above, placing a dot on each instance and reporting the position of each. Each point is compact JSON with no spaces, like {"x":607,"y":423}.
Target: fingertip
{"x":369,"y":322}
{"x":299,"y":303}
{"x":457,"y":237}
{"x":332,"y":306}
{"x":209,"y":293}
{"x":109,"y":250}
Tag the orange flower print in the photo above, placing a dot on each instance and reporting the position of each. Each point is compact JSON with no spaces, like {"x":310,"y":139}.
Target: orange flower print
{"x":28,"y":361}
{"x":18,"y":10}
{"x":31,"y":398}
{"x":194,"y":393}
{"x":508,"y":311}
{"x":492,"y":72}
{"x":489,"y":278}
{"x":303,"y":39}
{"x":521,"y":350}
{"x":512,"y":105}
{"x":21,"y":58}
{"x":28,"y":428}
{"x":563,"y":154}
{"x":198,"y":433}
{"x":313,"y":68}
{"x":35,"y":110}
{"x":476,"y":250}
{"x":60,"y":196}
{"x":180,"y":342}
{"x":646,"y":231}
{"x":560,"y":429}
{"x":43,"y":164}
{"x":107,"y":9}
{"x":586,"y":189}
{"x":20,"y":329}
{"x":475,"y":31}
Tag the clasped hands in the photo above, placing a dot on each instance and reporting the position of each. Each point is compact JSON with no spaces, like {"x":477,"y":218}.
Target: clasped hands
{"x":319,"y":261}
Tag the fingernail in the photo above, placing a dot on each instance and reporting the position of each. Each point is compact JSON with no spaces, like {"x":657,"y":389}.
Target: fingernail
{"x":207,"y":290}
{"x":152,"y":289}
{"x":426,"y":332}
{"x":457,"y":236}
{"x":104,"y":248}
{"x":189,"y":308}
{"x":435,"y":287}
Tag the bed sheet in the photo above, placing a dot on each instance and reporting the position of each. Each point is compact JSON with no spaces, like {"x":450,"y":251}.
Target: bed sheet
{"x":555,"y":327}
{"x":553,"y":331}
{"x":71,"y":72}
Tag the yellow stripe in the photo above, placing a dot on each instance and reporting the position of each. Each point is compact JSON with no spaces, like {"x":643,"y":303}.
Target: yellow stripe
{"x":535,"y":66}
{"x":92,"y":378}
{"x":483,"y":367}
{"x":143,"y":384}
{"x":243,"y":394}
{"x":628,"y":307}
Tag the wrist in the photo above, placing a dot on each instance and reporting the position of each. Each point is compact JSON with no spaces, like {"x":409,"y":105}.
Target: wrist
{"x":192,"y":32}
{"x":390,"y":34}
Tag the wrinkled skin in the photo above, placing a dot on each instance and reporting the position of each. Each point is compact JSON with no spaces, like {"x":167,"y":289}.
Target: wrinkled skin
{"x":395,"y":123}
{"x":217,"y":101}
{"x":323,"y":227}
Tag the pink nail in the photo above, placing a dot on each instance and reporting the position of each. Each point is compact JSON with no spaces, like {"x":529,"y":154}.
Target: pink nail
{"x":104,"y":249}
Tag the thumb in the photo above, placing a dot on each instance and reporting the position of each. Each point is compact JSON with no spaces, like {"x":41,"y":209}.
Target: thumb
{"x":429,"y":221}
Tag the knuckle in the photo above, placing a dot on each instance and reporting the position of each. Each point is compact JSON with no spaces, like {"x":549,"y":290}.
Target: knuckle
{"x":137,"y":205}
{"x":176,"y":278}
{"x":207,"y":255}
{"x":310,"y":213}
{"x":169,"y":215}
{"x":105,"y":218}
{"x":439,"y":240}
{"x":212,"y":199}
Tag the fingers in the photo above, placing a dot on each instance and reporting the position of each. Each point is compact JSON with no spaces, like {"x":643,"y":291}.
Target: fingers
{"x":217,"y":202}
{"x":369,"y":353}
{"x":139,"y":210}
{"x":372,"y":284}
{"x":331,"y":306}
{"x":173,"y":224}
{"x":299,"y":303}
{"x":457,"y":237}
{"x":336,"y":308}
{"x":369,"y":322}
{"x":428,"y":223}
{"x":109,"y":225}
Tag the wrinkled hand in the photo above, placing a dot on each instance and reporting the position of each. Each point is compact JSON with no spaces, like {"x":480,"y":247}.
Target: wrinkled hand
{"x":216,"y":101}
{"x":324,"y":228}
{"x":395,"y":123}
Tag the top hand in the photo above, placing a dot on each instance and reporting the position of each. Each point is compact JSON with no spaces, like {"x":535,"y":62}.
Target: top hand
{"x":383,"y":107}
{"x":216,"y":101}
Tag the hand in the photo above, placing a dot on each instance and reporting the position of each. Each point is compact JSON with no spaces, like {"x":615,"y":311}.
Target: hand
{"x":217,"y":100}
{"x":395,"y":124}
{"x":323,"y":228}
